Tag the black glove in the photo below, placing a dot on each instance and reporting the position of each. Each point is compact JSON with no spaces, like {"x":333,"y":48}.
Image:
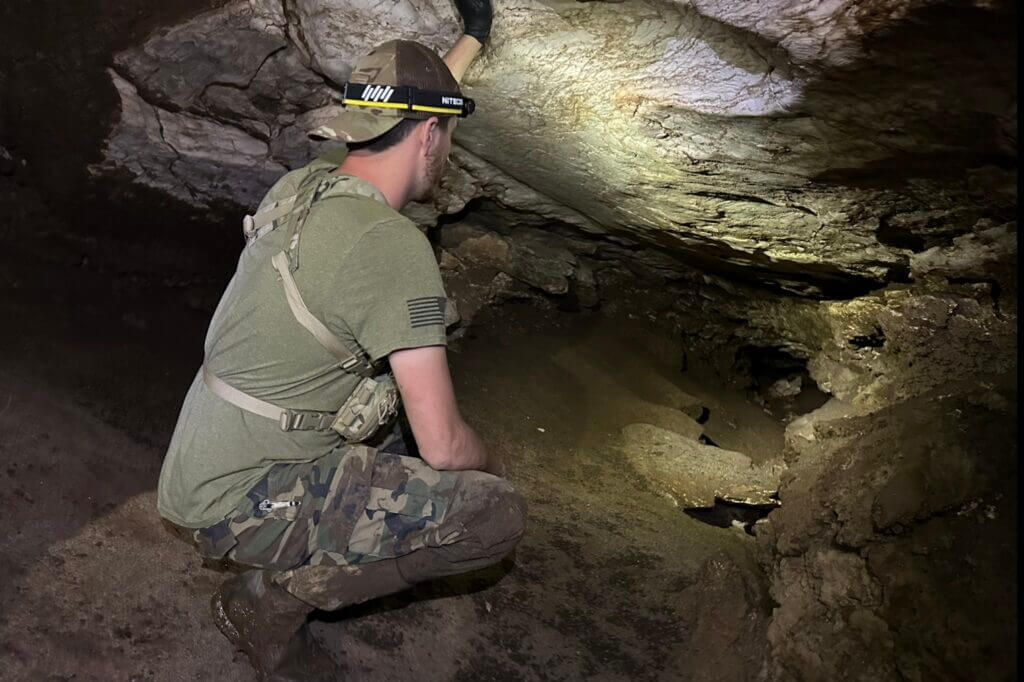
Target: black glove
{"x":476,"y":16}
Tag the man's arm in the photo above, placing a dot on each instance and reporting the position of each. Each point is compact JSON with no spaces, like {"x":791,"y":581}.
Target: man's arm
{"x":462,"y":54}
{"x":444,"y":439}
{"x":476,"y":20}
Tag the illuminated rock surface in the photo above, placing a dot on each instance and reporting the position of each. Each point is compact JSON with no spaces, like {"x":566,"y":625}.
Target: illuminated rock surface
{"x":813,"y":147}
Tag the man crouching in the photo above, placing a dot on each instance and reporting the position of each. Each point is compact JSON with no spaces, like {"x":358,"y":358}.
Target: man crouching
{"x":288,"y":458}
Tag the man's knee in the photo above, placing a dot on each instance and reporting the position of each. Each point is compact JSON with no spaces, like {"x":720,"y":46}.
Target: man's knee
{"x":492,"y":512}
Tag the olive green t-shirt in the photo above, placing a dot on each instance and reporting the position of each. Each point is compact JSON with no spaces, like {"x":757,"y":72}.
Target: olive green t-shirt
{"x":367,"y":273}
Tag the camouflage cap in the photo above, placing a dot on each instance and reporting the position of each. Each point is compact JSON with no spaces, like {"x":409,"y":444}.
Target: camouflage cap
{"x":396,"y":63}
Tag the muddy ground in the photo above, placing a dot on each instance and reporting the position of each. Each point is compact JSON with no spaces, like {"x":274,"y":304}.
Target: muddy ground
{"x":612,"y":581}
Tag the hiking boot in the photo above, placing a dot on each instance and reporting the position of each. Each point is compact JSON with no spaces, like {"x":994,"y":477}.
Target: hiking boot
{"x":269,"y":625}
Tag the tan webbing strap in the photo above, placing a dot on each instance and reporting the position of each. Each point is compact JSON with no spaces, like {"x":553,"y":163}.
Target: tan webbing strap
{"x":240,"y":399}
{"x":274,"y":211}
{"x":288,"y":420}
{"x":304,"y":199}
{"x":325,"y":336}
{"x":265,"y":221}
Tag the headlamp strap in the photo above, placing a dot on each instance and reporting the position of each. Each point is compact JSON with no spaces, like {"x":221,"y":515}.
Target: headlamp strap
{"x":407,"y":97}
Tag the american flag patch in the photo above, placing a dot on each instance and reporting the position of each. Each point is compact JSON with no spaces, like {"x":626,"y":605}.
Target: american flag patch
{"x":426,"y":311}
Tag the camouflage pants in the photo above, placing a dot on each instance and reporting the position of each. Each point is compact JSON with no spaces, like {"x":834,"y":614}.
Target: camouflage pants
{"x":362,"y":522}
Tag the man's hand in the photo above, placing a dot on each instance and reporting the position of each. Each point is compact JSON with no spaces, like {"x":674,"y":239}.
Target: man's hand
{"x":444,"y":440}
{"x":476,"y":17}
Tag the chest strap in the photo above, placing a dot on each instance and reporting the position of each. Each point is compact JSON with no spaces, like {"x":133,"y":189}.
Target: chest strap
{"x":288,"y":420}
{"x":293,"y":211}
{"x":326,"y":338}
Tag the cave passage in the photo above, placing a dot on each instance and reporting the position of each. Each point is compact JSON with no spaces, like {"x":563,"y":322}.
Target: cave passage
{"x":738,"y":296}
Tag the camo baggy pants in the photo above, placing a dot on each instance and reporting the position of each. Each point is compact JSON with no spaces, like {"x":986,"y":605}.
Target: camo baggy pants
{"x":362,"y":522}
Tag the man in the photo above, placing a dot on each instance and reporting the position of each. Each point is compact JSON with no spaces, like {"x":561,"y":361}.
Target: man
{"x":335,"y":292}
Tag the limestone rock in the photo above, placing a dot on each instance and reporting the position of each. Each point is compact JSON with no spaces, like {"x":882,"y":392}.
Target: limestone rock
{"x":869,"y":350}
{"x":735,"y":134}
{"x":987,"y":253}
{"x":728,"y":611}
{"x":892,"y":525}
{"x":191,"y":156}
{"x":694,"y":475}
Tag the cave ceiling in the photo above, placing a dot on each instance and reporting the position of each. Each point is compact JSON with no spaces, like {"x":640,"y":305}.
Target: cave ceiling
{"x":816,"y":144}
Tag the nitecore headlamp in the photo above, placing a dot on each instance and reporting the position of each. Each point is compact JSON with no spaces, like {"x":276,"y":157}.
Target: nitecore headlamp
{"x":407,"y":97}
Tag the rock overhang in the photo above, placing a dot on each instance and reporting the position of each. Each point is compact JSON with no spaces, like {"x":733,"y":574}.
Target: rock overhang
{"x":810,"y":148}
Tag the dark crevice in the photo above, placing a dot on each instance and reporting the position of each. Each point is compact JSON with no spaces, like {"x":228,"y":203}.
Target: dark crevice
{"x":703,"y":439}
{"x":725,"y":514}
{"x":726,"y":196}
{"x":899,"y":239}
{"x":780,"y":381}
{"x":434,"y":232}
{"x":765,"y":366}
{"x":875,"y":339}
{"x":899,"y":273}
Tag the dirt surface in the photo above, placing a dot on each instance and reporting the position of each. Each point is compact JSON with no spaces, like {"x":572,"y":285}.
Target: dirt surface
{"x":607,"y":584}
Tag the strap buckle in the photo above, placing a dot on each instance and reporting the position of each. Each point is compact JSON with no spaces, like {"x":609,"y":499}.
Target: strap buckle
{"x":355,"y":365}
{"x":305,"y":420}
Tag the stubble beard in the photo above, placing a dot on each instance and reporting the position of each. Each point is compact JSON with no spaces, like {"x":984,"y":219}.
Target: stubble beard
{"x":430,"y":178}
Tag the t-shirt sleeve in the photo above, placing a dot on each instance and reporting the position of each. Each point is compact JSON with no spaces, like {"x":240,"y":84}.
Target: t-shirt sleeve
{"x":394,"y":294}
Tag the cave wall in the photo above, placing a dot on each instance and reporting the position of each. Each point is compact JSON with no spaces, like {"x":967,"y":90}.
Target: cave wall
{"x":835,"y":181}
{"x":811,"y":148}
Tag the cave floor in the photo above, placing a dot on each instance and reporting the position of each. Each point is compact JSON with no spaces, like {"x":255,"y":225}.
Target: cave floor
{"x":605,"y":585}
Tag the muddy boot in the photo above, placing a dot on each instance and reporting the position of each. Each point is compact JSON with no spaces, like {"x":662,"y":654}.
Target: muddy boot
{"x":269,"y":626}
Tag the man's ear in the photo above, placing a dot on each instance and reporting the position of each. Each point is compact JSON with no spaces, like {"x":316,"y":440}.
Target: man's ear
{"x":432,"y":132}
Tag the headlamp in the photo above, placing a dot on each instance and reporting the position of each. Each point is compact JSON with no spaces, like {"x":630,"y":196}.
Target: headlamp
{"x":407,"y":97}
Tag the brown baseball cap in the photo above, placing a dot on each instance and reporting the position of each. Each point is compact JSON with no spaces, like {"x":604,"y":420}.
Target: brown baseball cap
{"x":394,"y":63}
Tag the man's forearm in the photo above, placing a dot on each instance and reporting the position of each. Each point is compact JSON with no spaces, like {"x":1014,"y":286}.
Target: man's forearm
{"x":462,"y":54}
{"x":468,"y":451}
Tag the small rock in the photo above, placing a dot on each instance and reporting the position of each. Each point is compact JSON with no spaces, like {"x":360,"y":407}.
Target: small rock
{"x":8,"y":164}
{"x":787,"y":387}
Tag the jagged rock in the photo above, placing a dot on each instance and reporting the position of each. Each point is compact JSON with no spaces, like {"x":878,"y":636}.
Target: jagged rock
{"x":870,"y":350}
{"x":893,"y":527}
{"x":727,"y":609}
{"x":984,"y":255}
{"x":735,"y":134}
{"x":476,"y":245}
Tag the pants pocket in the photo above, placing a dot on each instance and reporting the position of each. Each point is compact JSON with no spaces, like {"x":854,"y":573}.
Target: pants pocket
{"x":405,"y":509}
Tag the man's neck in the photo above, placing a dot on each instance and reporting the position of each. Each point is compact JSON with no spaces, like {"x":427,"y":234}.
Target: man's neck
{"x":381,"y":171}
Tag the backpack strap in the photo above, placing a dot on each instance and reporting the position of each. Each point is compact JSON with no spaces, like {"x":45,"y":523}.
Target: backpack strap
{"x":266,"y":219}
{"x":326,"y":338}
{"x":293,"y":211}
{"x":271,"y":216}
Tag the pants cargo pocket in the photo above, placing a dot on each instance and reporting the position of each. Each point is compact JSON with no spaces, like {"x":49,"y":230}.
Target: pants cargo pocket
{"x":272,"y":522}
{"x":406,"y":506}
